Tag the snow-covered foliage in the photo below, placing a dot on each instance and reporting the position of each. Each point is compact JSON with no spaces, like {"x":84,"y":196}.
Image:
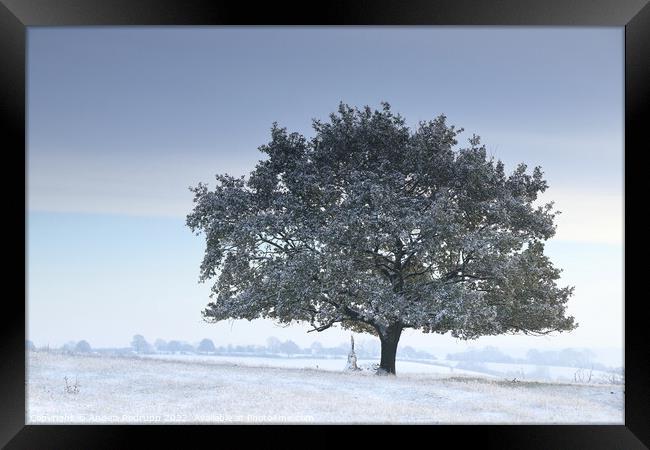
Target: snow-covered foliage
{"x":380,"y":228}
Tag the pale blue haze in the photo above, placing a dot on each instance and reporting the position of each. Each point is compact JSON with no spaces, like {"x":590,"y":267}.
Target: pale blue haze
{"x":122,"y":120}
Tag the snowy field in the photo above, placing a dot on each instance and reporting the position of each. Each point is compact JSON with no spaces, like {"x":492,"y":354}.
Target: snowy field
{"x":217,"y":390}
{"x":520,"y":371}
{"x":329,"y":364}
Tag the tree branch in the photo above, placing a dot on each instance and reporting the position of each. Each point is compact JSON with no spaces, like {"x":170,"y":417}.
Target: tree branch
{"x":326,"y":326}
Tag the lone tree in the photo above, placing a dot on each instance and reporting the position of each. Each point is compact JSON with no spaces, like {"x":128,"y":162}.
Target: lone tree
{"x":380,"y":228}
{"x":289,"y":348}
{"x":83,"y":347}
{"x":140,"y":344}
{"x":206,"y":346}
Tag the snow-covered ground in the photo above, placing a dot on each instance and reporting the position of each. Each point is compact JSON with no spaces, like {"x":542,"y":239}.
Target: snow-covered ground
{"x":217,"y":390}
{"x":532,"y":372}
{"x":520,"y":371}
{"x":329,"y":364}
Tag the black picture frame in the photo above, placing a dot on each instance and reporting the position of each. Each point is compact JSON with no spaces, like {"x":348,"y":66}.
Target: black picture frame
{"x":17,"y":15}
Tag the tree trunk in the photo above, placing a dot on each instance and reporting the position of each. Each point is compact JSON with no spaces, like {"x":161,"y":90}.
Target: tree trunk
{"x":389,"y":340}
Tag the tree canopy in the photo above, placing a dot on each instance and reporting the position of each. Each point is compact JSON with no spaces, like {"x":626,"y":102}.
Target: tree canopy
{"x":379,"y":228}
{"x":206,"y":345}
{"x":140,"y":344}
{"x":82,"y":347}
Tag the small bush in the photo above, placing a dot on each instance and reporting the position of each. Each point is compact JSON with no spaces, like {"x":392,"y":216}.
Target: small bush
{"x":71,"y":388}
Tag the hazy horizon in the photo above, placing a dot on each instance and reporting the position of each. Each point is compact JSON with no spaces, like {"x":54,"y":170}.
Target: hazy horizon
{"x":122,"y":120}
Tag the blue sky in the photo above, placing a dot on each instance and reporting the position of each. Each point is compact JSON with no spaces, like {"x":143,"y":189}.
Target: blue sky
{"x":122,"y":120}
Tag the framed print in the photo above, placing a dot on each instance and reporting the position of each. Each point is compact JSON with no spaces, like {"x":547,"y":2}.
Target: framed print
{"x":367,"y":214}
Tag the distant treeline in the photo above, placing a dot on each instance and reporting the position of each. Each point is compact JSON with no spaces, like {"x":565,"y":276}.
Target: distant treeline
{"x":569,"y":357}
{"x":274,"y":347}
{"x":368,"y":349}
